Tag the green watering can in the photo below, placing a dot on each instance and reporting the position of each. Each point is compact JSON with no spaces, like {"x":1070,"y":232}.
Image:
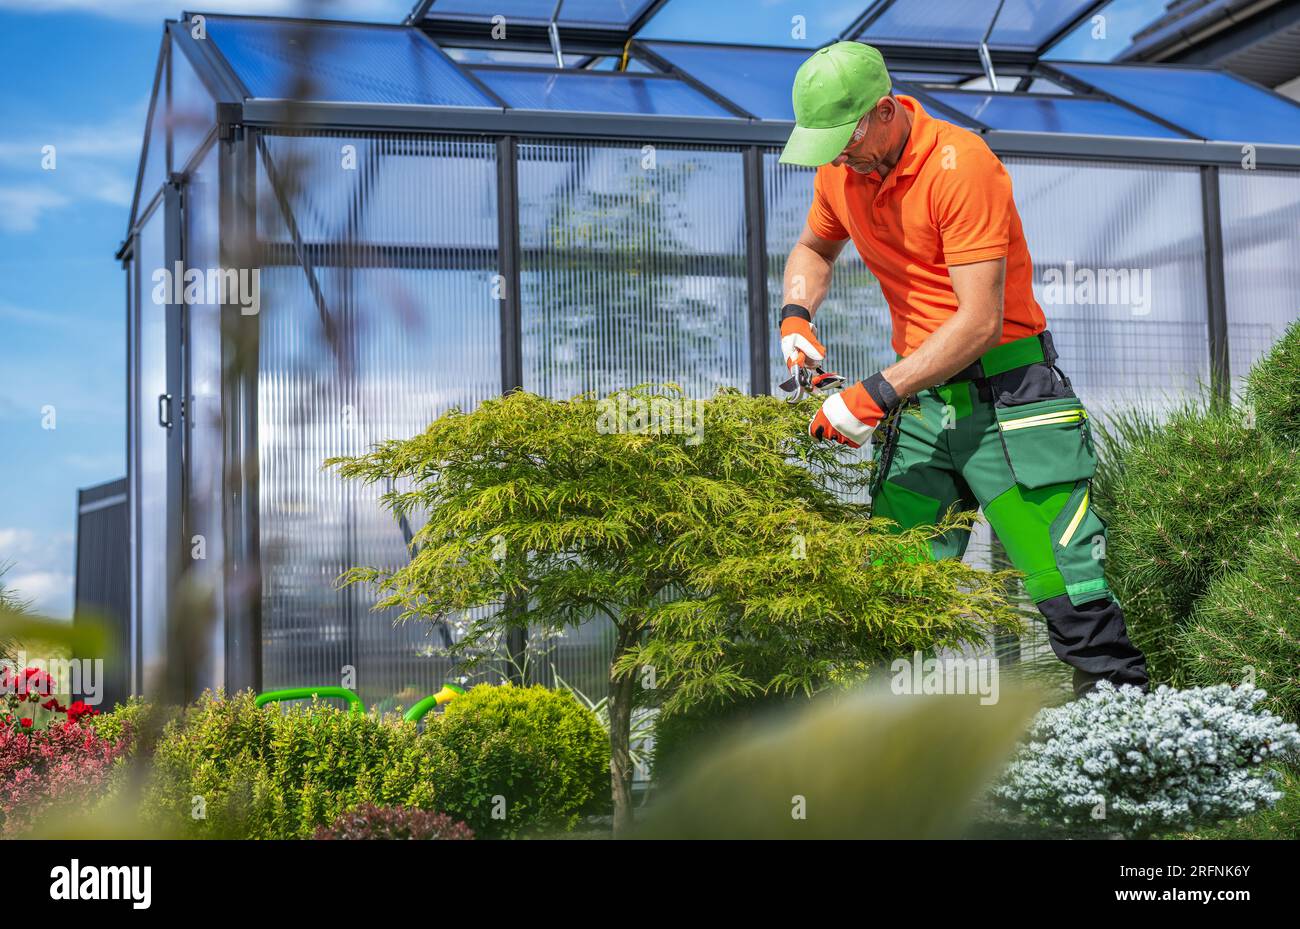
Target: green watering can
{"x":355,"y":706}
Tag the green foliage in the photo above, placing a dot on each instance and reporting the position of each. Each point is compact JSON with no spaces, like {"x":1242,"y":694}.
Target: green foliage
{"x":139,"y":721}
{"x":540,"y":751}
{"x":689,"y":543}
{"x":1248,"y":624}
{"x":1280,"y":822}
{"x":266,"y":773}
{"x":1179,"y":499}
{"x":1273,"y":389}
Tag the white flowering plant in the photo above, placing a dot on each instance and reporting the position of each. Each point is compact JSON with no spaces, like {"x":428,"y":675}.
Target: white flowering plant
{"x":1121,"y":761}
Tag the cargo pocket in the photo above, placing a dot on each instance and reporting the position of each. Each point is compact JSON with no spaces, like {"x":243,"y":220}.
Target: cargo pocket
{"x":1047,"y":442}
{"x":1079,"y":546}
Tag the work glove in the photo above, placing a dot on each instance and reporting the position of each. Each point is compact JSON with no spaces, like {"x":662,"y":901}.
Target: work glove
{"x":800,"y":346}
{"x":849,"y":416}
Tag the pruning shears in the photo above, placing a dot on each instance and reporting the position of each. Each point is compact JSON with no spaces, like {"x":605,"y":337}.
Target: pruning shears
{"x":805,"y":381}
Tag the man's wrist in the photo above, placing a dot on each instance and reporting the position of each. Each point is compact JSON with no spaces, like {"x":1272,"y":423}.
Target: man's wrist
{"x":882,"y":392}
{"x":796,"y":311}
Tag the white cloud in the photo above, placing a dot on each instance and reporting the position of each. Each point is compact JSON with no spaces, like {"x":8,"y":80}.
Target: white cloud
{"x":40,"y":568}
{"x":21,"y":208}
{"x":379,"y":11}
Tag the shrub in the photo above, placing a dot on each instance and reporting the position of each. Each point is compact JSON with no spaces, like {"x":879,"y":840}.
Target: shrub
{"x":537,"y":751}
{"x":394,"y":822}
{"x":1185,"y":497}
{"x":138,"y":722}
{"x":1280,"y":822}
{"x":41,"y":769}
{"x":1247,"y":626}
{"x":1273,"y":389}
{"x":1173,"y":759}
{"x":688,"y":525}
{"x":267,"y":773}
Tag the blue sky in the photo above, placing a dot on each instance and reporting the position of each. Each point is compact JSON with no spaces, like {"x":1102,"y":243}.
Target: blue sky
{"x":76,"y":75}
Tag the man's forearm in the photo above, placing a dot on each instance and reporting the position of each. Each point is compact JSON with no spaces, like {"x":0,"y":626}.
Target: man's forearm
{"x":954,"y":345}
{"x":807,"y":278}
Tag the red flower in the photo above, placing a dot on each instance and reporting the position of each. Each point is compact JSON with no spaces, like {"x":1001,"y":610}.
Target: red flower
{"x":54,"y":705}
{"x":80,"y":709}
{"x":25,"y":723}
{"x":39,"y":682}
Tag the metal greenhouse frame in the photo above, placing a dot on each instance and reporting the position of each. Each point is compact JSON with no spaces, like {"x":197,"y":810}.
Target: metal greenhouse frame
{"x":162,"y":512}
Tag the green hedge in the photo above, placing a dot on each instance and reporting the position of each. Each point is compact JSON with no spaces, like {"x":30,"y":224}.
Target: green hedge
{"x":1273,"y":389}
{"x":529,"y":760}
{"x":507,"y":761}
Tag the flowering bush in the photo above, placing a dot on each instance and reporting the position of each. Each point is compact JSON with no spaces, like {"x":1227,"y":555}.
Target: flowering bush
{"x":24,"y":692}
{"x":394,"y":822}
{"x":1124,"y":761}
{"x":41,"y":768}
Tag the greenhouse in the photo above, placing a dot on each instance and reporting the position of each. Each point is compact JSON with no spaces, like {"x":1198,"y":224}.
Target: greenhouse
{"x":447,"y":209}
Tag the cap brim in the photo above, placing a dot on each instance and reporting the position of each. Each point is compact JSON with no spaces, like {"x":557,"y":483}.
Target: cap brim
{"x":815,"y":147}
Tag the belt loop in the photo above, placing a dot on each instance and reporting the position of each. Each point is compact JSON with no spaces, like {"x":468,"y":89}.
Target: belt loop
{"x":1049,"y":349}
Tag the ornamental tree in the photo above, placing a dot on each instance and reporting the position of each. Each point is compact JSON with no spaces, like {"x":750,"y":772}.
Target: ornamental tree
{"x":701,"y":530}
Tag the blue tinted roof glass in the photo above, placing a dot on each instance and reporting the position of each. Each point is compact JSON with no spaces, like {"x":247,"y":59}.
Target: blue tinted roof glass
{"x":598,"y":92}
{"x":1211,"y":104}
{"x":793,"y":23}
{"x":757,"y":80}
{"x":1075,"y":115}
{"x":593,"y":12}
{"x":340,"y":63}
{"x":1024,"y":24}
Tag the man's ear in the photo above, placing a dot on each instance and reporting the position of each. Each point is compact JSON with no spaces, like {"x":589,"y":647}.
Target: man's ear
{"x":886,"y":109}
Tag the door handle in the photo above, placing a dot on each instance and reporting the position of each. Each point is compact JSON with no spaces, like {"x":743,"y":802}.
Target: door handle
{"x":165,"y":410}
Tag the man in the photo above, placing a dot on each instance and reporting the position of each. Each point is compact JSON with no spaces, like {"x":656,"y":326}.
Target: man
{"x":976,"y":412}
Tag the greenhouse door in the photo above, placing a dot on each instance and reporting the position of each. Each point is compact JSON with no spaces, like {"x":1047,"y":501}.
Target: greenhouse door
{"x":156,"y":441}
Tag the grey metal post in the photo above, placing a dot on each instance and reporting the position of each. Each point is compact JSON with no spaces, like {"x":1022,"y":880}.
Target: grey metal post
{"x":756,"y":271}
{"x":1216,"y":295}
{"x":512,"y":363}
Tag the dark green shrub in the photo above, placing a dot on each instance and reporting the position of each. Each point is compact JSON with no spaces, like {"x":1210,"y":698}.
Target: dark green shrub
{"x":1186,"y":496}
{"x":394,"y":822}
{"x":1248,"y":625}
{"x":228,"y":769}
{"x":140,"y":722}
{"x":1273,"y":389}
{"x":527,"y":760}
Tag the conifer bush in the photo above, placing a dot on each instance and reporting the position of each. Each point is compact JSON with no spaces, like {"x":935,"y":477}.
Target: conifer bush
{"x":1120,"y":761}
{"x":689,"y":525}
{"x":1180,"y":507}
{"x":1247,"y":626}
{"x":1273,"y":389}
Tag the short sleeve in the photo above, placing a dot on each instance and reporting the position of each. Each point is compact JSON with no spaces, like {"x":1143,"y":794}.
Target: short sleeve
{"x":973,"y":206}
{"x":821,"y":215}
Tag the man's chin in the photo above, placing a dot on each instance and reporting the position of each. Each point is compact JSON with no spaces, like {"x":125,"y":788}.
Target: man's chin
{"x":867,"y":169}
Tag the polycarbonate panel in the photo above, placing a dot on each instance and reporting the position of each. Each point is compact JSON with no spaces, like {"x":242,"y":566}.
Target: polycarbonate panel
{"x":598,"y":92}
{"x":633,"y":267}
{"x":340,"y":62}
{"x":757,"y":80}
{"x":1075,"y":115}
{"x":574,"y":12}
{"x":412,"y":331}
{"x":1260,"y":216}
{"x":854,"y":319}
{"x":155,"y":151}
{"x":193,"y":111}
{"x":149,"y":490}
{"x":794,"y":23}
{"x":203,"y":420}
{"x":1212,"y":104}
{"x":1119,"y":270}
{"x":1021,"y":24}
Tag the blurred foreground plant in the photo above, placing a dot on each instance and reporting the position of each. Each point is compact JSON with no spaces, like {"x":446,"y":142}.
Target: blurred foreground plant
{"x":689,"y":525}
{"x":866,"y":765}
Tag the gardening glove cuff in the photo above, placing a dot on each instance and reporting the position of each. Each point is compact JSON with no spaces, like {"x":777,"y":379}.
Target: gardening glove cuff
{"x":849,"y":416}
{"x":799,"y":342}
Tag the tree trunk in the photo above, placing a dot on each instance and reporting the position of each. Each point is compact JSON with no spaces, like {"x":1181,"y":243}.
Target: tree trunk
{"x":621,"y":691}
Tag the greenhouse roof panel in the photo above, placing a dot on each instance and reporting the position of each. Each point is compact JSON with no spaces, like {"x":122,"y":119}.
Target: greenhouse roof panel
{"x":598,"y":92}
{"x":619,"y":14}
{"x":1052,"y":113}
{"x":340,"y":63}
{"x":1211,"y":104}
{"x":758,"y":80}
{"x":1022,"y":24}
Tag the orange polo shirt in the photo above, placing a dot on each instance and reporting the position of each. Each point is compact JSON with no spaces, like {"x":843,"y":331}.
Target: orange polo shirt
{"x":947,"y":202}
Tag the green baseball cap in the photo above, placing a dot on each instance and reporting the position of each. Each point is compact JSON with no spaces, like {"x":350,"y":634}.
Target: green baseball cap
{"x":832,"y":90}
